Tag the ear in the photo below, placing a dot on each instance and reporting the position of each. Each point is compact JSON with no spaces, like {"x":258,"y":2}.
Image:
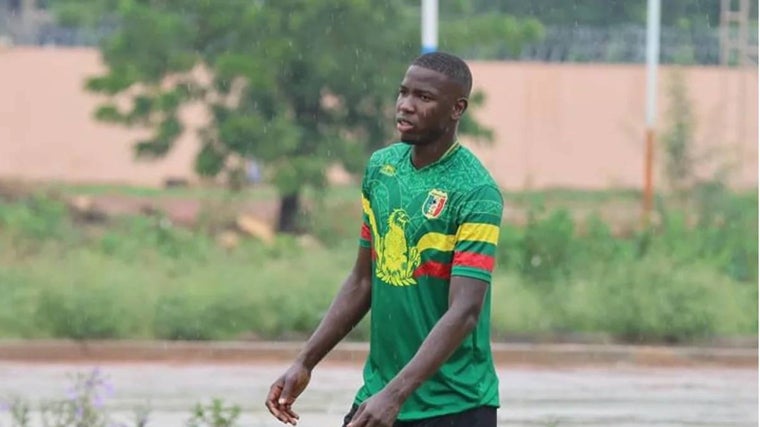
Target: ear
{"x":460,"y":106}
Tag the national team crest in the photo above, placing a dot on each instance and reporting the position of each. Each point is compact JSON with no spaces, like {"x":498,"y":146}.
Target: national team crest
{"x":434,"y":204}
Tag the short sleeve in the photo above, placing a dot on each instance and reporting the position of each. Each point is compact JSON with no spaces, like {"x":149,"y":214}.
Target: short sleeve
{"x":365,"y":235}
{"x":480,"y":217}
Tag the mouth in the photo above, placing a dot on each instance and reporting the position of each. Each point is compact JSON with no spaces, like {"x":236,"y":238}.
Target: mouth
{"x":403,"y":125}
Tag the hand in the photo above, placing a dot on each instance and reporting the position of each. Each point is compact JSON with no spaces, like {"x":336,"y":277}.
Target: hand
{"x":379,"y":410}
{"x":284,"y":392}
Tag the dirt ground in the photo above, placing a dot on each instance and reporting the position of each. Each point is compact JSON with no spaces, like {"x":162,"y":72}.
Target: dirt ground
{"x":587,"y":396}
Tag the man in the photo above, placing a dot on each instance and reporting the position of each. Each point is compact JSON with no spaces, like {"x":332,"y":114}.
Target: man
{"x":431,"y":224}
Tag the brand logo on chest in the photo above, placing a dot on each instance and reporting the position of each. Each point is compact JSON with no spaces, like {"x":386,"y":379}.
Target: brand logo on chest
{"x":388,"y":170}
{"x":434,"y":204}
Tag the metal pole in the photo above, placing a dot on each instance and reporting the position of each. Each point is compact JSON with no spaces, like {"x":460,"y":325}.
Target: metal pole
{"x":653,"y":55}
{"x":429,"y":26}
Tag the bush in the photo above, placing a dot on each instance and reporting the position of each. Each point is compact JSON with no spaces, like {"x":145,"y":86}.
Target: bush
{"x":657,"y":299}
{"x":37,"y":217}
{"x":81,"y":313}
{"x":204,"y":315}
{"x":548,"y":246}
{"x":692,"y":277}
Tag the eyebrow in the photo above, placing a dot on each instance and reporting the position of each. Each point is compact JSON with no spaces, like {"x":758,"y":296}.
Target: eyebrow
{"x":423,"y":91}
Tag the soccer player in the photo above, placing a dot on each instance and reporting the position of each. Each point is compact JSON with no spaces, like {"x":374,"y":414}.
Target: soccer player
{"x":432,"y":215}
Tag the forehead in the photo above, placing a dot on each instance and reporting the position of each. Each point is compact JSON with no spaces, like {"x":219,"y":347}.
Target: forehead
{"x":421,"y":78}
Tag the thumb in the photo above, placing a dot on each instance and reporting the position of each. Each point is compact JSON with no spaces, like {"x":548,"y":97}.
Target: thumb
{"x":286,"y":397}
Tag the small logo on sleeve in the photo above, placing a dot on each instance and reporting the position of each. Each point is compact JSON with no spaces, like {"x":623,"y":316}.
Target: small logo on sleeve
{"x":434,"y":204}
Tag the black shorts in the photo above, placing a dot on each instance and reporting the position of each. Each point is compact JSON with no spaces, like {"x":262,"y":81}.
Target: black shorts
{"x":484,"y":416}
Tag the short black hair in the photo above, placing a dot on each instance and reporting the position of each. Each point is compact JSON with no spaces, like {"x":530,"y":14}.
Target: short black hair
{"x":450,"y":65}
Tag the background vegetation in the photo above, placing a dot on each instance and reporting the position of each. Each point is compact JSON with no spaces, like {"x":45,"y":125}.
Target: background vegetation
{"x":301,"y":84}
{"x":691,"y":277}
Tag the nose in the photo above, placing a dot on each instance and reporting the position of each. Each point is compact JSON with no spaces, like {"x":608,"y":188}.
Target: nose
{"x":404,"y":104}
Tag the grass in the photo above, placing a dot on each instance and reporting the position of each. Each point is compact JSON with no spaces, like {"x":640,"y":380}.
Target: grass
{"x":139,"y":277}
{"x":201,"y":293}
{"x":254,"y":294}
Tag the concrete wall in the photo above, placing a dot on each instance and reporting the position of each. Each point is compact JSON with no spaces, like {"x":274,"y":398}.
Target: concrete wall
{"x":556,"y":125}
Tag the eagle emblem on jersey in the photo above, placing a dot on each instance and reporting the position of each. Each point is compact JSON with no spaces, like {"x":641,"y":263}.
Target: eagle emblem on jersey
{"x":434,"y":204}
{"x":396,"y":259}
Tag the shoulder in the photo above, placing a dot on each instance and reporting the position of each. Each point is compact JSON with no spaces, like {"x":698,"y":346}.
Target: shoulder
{"x":388,"y":153}
{"x":476,"y":182}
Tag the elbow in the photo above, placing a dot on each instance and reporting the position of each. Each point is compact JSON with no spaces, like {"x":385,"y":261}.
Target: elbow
{"x":468,"y":317}
{"x":471,"y":320}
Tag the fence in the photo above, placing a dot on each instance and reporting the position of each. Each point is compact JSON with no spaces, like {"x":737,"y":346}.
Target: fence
{"x":619,"y":44}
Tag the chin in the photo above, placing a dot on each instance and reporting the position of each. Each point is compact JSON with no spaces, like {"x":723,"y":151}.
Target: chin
{"x":412,"y":139}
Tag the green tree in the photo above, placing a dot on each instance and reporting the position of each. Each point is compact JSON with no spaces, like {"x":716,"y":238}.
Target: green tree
{"x":296,"y":84}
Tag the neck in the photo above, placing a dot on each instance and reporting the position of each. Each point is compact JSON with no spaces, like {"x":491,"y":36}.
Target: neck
{"x":423,"y":155}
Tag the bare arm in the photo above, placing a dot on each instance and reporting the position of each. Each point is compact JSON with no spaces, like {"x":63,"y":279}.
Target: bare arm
{"x":348,"y":308}
{"x":466,"y":297}
{"x":350,"y":305}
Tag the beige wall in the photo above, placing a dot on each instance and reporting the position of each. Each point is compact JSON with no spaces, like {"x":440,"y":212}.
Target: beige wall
{"x":584,"y":125}
{"x":555,"y":125}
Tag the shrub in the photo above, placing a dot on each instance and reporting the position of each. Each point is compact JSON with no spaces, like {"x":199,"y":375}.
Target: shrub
{"x":80,"y":312}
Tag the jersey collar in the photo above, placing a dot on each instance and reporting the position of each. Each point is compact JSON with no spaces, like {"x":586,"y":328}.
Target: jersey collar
{"x":446,"y":156}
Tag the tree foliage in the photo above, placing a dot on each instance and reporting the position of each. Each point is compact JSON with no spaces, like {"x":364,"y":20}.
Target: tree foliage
{"x":297,"y":85}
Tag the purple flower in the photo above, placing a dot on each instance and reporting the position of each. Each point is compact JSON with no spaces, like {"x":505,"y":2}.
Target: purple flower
{"x":72,"y":393}
{"x":108,"y":388}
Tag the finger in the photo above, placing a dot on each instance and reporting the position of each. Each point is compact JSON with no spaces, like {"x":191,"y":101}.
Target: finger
{"x":288,"y":410}
{"x":274,"y":392}
{"x":276,"y":409}
{"x":273,"y":396}
{"x":287,"y":415}
{"x":278,"y":413}
{"x":357,"y":420}
{"x":286,"y":400}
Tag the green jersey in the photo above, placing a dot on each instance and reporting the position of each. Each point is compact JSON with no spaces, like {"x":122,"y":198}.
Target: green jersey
{"x":425,"y":226}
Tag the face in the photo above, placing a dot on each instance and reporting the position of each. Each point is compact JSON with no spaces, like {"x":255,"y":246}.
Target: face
{"x":428,"y":106}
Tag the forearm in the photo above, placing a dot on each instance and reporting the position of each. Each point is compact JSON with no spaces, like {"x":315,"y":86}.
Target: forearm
{"x":445,"y":337}
{"x":348,"y":308}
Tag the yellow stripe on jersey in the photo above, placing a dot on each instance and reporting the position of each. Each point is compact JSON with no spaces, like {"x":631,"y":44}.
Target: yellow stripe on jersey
{"x":438,"y":241}
{"x":485,"y":233}
{"x":371,"y":217}
{"x":478,"y":232}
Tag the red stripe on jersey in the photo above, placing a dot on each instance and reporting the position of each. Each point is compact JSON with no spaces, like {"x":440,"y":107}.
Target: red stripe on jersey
{"x":366,"y":234}
{"x":474,"y":260}
{"x":435,"y":269}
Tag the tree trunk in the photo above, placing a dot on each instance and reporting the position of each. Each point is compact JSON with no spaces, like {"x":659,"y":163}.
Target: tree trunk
{"x":289,"y":210}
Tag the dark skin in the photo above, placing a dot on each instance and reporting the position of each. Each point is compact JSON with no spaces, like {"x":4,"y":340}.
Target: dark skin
{"x":429,"y":106}
{"x":433,"y":104}
{"x":350,"y":305}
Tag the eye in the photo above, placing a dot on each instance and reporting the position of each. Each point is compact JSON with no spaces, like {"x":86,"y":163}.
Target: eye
{"x":425,"y":98}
